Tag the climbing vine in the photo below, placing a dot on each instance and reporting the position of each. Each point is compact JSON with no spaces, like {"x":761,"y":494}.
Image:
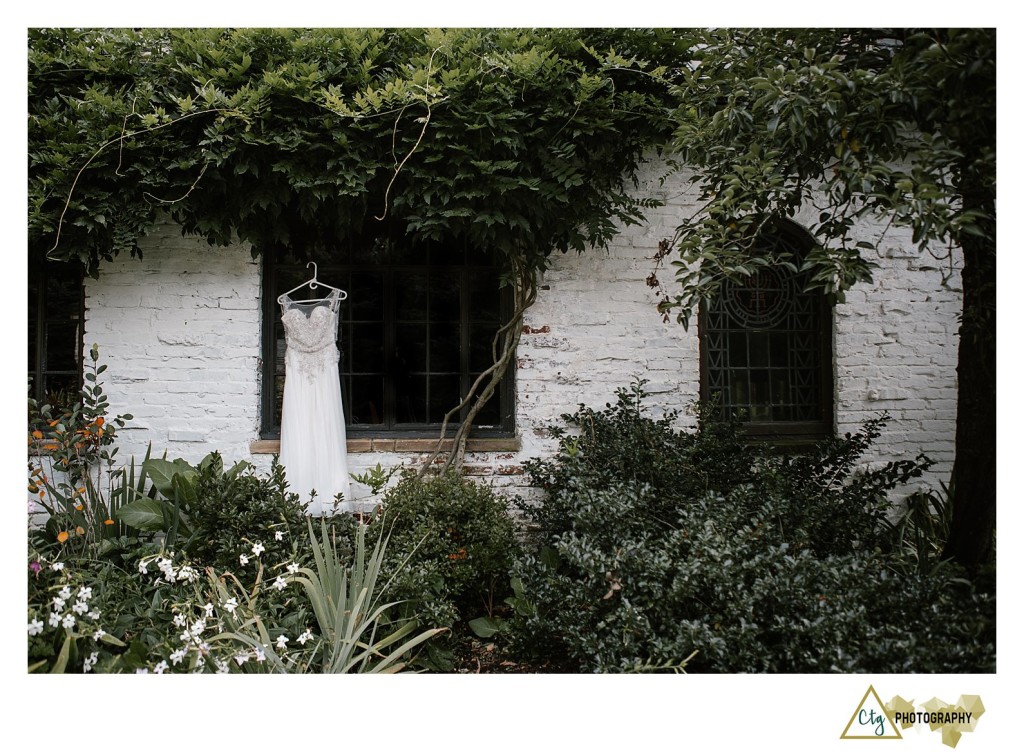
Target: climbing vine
{"x":519,"y":141}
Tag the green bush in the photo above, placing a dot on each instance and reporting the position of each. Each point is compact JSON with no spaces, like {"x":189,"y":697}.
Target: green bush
{"x":659,"y":542}
{"x":233,"y":512}
{"x":451,"y":549}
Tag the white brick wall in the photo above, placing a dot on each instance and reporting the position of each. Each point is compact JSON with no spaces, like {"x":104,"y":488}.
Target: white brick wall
{"x":180,"y":330}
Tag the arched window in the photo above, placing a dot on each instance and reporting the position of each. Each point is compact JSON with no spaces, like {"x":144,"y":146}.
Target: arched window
{"x":766,"y":348}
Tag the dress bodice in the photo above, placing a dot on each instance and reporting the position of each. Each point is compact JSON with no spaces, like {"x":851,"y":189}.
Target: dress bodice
{"x":310,"y":332}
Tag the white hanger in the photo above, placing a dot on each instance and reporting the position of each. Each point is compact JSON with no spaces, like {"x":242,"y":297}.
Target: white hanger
{"x":313,"y":284}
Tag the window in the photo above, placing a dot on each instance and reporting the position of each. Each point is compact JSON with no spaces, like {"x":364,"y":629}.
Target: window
{"x":414,"y":333}
{"x":55,"y":318}
{"x":766,"y":347}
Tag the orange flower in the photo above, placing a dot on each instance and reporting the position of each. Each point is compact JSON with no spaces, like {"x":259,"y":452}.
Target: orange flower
{"x":99,"y":421}
{"x":100,"y":431}
{"x":80,"y":531}
{"x":42,"y":493}
{"x":80,"y":490}
{"x":108,"y":522}
{"x":50,"y":446}
{"x":37,"y":434}
{"x":79,"y":507}
{"x":62,"y":536}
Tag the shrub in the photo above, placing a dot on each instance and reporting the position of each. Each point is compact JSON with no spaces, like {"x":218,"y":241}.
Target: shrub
{"x":659,"y":542}
{"x":452,"y":545}
{"x":237,"y":510}
{"x":70,"y":449}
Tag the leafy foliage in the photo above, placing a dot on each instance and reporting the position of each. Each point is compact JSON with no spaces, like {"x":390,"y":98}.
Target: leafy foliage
{"x":452,"y":545}
{"x":510,"y":139}
{"x":346,"y":598}
{"x":860,"y":123}
{"x":70,"y":453}
{"x":658,"y":542}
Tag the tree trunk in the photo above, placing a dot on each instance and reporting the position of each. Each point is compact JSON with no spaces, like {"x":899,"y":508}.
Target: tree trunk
{"x":973,"y":483}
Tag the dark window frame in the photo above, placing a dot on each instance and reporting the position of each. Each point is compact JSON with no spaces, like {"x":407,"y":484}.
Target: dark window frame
{"x":790,"y":431}
{"x":41,"y":317}
{"x":334,"y":271}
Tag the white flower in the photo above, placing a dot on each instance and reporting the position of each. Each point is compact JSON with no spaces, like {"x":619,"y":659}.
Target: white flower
{"x":167,"y":568}
{"x":57,"y":566}
{"x":280,"y":584}
{"x":209,"y":609}
{"x":198,"y":627}
{"x":231,"y":605}
{"x":65,"y":593}
{"x":143,"y":567}
{"x":203,"y":648}
{"x":242,"y":657}
{"x":54,"y":619}
{"x":95,"y":614}
{"x":293,"y":568}
{"x":68,"y":621}
{"x":58,"y":603}
{"x":222,"y":666}
{"x":35,"y":627}
{"x":80,"y":607}
{"x":185,"y":637}
{"x":278,"y":535}
{"x":85,"y":593}
{"x":188,"y":574}
{"x":179,"y":620}
{"x":282,"y":642}
{"x":258,"y":548}
{"x":142,"y":671}
{"x":306,"y":636}
{"x":244,"y":559}
{"x":160,"y":668}
{"x":177,"y":656}
{"x":90,"y":661}
{"x":259,"y":654}
{"x":99,"y":634}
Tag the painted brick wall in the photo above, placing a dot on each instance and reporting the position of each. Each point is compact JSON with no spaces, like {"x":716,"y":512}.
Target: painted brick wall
{"x":180,"y":330}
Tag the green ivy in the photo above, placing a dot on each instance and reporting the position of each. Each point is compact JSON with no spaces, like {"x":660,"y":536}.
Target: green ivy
{"x":519,"y":140}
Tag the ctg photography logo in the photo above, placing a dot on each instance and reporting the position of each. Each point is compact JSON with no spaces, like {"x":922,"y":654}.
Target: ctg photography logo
{"x":875,"y":720}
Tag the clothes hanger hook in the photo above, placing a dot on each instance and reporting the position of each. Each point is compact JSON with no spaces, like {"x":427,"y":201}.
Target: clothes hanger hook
{"x":312,"y":285}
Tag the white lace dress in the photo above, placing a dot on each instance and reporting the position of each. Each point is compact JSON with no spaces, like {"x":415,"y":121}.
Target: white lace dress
{"x":313,"y":450}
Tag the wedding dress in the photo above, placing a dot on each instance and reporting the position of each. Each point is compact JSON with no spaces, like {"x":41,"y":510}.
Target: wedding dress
{"x":313,"y":450}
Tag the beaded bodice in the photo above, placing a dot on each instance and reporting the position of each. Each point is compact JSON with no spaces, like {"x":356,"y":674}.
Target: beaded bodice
{"x":310,"y":332}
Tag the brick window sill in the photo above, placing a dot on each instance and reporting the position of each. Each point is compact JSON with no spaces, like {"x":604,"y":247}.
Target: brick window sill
{"x":399,"y":444}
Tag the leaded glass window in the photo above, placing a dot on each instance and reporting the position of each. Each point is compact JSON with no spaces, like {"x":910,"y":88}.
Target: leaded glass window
{"x":55,"y":320}
{"x":414,"y":334}
{"x":766,"y":345}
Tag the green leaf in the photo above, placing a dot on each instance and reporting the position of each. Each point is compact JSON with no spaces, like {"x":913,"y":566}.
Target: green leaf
{"x":61,"y":662}
{"x":486,"y":627}
{"x":144,"y":514}
{"x":162,"y":472}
